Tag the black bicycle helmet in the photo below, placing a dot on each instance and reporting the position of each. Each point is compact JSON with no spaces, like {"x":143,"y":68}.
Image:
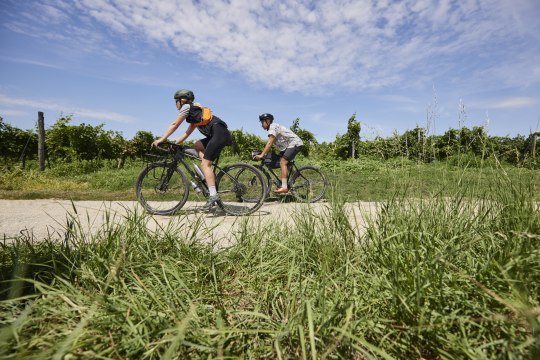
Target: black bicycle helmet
{"x":184,"y":94}
{"x":266,"y":116}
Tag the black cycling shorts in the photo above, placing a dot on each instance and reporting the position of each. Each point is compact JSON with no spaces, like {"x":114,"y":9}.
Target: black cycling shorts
{"x":290,"y":153}
{"x":218,"y":139}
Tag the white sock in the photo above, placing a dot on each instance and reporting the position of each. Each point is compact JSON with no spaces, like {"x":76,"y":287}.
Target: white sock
{"x":284,"y":183}
{"x":212,"y":190}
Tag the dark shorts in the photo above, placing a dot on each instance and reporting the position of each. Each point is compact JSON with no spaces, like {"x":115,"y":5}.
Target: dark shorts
{"x":219,"y":138}
{"x":290,"y":153}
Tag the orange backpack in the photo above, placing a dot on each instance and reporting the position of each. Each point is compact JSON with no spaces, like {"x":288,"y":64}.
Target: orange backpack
{"x":199,"y":115}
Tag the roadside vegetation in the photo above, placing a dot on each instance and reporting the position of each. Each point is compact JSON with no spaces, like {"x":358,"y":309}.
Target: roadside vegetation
{"x":87,"y":162}
{"x":432,"y":277}
{"x":360,"y":179}
{"x":449,"y":268}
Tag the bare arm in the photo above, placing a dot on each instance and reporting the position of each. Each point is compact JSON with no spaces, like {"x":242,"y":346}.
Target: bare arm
{"x":186,"y":134}
{"x":171,"y":129}
{"x":267,"y":148}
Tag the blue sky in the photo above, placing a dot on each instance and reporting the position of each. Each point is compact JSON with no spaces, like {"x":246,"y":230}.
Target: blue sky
{"x":396,"y":64}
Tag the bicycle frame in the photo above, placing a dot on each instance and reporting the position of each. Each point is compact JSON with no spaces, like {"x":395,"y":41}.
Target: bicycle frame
{"x":178,"y":160}
{"x":291,"y":168}
{"x":193,"y":175}
{"x":241,"y":187}
{"x":297,"y":182}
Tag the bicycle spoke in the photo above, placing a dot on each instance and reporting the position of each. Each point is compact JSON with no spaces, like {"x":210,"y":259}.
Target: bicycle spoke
{"x":241,"y":188}
{"x":308,"y":184}
{"x":162,"y":190}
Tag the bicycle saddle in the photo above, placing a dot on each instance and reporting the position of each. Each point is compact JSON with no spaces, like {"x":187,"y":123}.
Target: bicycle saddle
{"x":192,"y":152}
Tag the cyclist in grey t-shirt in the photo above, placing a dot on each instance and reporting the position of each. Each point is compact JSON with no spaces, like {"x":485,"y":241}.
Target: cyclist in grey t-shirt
{"x":287,"y":142}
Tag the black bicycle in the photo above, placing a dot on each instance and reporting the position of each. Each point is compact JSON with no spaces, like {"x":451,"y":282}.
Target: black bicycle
{"x":164,"y":184}
{"x":306,"y":183}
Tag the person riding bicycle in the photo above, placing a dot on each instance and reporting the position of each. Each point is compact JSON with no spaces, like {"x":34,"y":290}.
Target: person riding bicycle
{"x":215,"y":130}
{"x":287,"y":142}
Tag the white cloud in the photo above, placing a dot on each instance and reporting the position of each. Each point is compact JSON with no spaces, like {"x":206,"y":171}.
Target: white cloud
{"x":507,"y":103}
{"x":301,"y":45}
{"x":42,"y":105}
{"x":29,"y":61}
{"x":11,"y":112}
{"x":326,"y":120}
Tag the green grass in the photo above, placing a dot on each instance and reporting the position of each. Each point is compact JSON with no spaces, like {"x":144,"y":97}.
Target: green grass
{"x":360,"y":179}
{"x":71,"y":181}
{"x":372,"y":180}
{"x":451,"y":274}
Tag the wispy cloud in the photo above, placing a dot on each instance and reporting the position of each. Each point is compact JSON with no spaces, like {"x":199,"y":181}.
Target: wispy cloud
{"x":300,"y":45}
{"x":506,"y":103}
{"x":41,"y":105}
{"x":325,"y":120}
{"x":314,"y":46}
{"x":399,"y":103}
{"x":29,"y":61}
{"x":11,"y":112}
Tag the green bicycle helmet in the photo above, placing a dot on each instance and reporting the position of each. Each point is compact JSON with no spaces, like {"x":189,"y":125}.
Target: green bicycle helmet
{"x":184,"y":94}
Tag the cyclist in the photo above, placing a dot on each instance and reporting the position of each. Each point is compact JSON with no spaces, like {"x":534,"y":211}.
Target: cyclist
{"x":287,"y":142}
{"x":216,"y":133}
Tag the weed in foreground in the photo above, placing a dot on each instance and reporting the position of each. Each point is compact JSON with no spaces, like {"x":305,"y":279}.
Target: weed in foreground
{"x":434,"y":277}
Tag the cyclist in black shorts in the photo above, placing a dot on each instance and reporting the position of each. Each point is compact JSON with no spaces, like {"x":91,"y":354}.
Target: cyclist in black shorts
{"x":215,"y":130}
{"x":287,"y":142}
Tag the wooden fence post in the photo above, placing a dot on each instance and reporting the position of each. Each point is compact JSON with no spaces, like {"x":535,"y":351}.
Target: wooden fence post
{"x":41,"y":141}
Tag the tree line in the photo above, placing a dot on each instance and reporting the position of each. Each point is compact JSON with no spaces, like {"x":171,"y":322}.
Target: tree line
{"x":66,"y":142}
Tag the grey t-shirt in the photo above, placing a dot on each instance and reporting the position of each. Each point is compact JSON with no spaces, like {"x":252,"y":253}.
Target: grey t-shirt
{"x":184,"y":110}
{"x":285,"y":138}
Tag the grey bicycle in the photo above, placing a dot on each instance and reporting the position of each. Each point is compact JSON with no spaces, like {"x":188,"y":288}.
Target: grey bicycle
{"x":164,"y":184}
{"x":306,"y":183}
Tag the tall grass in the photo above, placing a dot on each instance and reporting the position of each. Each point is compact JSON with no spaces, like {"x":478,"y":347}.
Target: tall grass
{"x":431,"y":277}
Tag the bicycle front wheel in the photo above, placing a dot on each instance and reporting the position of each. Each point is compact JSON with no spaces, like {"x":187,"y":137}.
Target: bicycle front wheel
{"x":308,"y":184}
{"x":241,"y":188}
{"x":162,"y":189}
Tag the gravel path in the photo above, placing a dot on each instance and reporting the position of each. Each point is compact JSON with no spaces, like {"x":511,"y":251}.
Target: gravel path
{"x":42,"y":219}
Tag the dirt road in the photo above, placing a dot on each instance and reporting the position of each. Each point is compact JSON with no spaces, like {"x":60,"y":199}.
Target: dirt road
{"x":42,"y":219}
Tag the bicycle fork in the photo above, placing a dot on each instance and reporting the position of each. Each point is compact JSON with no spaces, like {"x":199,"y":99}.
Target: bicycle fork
{"x":163,"y":185}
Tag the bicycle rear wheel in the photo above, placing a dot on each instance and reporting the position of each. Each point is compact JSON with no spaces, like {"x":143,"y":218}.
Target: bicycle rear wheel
{"x":162,"y":189}
{"x":241,"y":188}
{"x":308,"y":184}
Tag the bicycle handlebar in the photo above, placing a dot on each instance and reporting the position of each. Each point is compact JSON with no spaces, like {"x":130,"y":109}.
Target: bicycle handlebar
{"x":170,"y":146}
{"x":173,"y":148}
{"x":255,"y":153}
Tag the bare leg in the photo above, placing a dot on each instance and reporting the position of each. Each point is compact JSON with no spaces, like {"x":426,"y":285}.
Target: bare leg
{"x":283,"y":164}
{"x":200,"y":148}
{"x":206,"y":167}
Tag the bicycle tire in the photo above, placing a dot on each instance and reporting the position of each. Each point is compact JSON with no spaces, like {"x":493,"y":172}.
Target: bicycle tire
{"x":308,"y":184}
{"x":159,"y":195}
{"x":241,"y":188}
{"x":267,"y":180}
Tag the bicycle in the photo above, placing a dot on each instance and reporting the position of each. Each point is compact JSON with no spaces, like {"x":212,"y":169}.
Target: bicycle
{"x":306,"y":183}
{"x":163,"y":186}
